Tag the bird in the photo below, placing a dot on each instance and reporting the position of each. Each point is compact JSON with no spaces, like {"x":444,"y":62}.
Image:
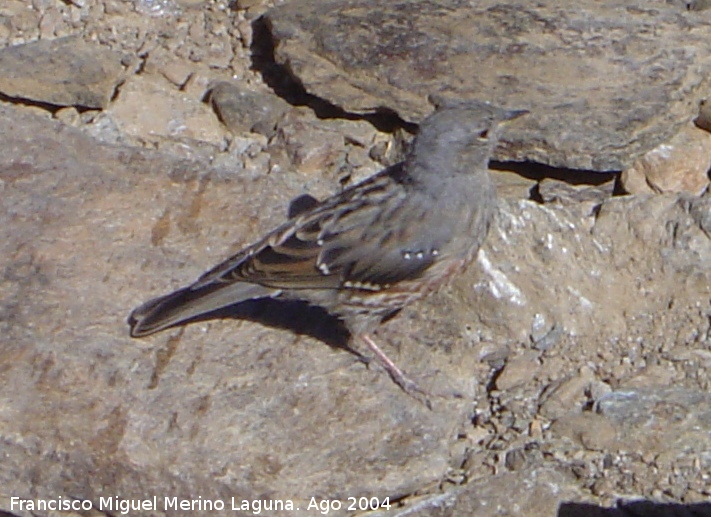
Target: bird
{"x":366,"y":252}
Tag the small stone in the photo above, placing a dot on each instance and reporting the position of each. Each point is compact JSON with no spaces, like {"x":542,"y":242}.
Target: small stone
{"x":243,"y":110}
{"x":515,"y":459}
{"x":177,"y":73}
{"x":566,"y":397}
{"x":157,"y":8}
{"x":518,"y":371}
{"x":68,"y":115}
{"x":50,"y":23}
{"x":598,"y":389}
{"x":703,"y":121}
{"x":549,"y":339}
{"x":556,"y":191}
{"x":594,"y":432}
{"x":41,"y":5}
{"x":680,"y":165}
{"x":511,"y":185}
{"x":248,"y":4}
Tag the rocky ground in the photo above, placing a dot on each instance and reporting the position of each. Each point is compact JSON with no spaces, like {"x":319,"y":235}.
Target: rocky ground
{"x":142,"y":141}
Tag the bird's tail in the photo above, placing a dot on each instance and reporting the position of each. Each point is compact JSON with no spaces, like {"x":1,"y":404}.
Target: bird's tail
{"x":190,"y":302}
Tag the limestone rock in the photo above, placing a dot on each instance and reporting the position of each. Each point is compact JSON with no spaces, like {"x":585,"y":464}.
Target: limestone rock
{"x":257,"y":402}
{"x":592,"y":431}
{"x":150,"y":110}
{"x":325,"y":147}
{"x":63,"y":72}
{"x":244,"y":110}
{"x":565,"y":397}
{"x":487,"y":497}
{"x":594,"y":275}
{"x":645,"y":418}
{"x":605,"y":82}
{"x":88,"y":232}
{"x":518,"y":371}
{"x":679,"y":165}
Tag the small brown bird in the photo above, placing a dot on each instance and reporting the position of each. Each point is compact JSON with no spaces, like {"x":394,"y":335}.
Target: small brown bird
{"x":367,"y":252}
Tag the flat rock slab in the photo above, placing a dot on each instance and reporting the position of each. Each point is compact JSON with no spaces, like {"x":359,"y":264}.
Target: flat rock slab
{"x":256,"y":405}
{"x":645,"y":418}
{"x":605,"y":81}
{"x":243,"y":411}
{"x":63,"y":72}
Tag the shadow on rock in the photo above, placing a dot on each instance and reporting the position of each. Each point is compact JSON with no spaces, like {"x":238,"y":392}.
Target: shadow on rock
{"x":296,"y":316}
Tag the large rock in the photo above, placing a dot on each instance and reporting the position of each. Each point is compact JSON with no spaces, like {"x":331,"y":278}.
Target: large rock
{"x":88,"y":232}
{"x":605,"y":270}
{"x":606,"y":81}
{"x":63,"y":72}
{"x":259,"y":409}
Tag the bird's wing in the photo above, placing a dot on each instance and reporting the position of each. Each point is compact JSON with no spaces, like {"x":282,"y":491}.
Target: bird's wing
{"x":367,"y":237}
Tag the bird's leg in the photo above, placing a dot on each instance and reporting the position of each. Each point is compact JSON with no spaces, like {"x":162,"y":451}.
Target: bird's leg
{"x":406,"y":384}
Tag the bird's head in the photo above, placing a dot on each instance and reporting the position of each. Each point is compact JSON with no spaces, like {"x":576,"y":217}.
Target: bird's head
{"x":463,"y":126}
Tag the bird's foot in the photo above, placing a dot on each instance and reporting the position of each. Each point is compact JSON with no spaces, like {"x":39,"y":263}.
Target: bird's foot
{"x":397,"y":375}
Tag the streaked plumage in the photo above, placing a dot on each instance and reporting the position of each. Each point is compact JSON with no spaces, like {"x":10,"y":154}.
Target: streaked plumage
{"x":375,"y":247}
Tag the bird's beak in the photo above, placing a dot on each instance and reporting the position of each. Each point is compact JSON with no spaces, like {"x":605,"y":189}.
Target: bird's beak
{"x":512,"y":114}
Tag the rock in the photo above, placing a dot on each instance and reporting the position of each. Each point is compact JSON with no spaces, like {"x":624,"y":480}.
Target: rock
{"x":62,"y":72}
{"x":510,"y":185}
{"x":88,"y":232}
{"x":311,"y":148}
{"x":645,"y":418}
{"x":598,"y":276}
{"x":172,"y":115}
{"x":256,"y":404}
{"x":565,"y":397}
{"x":593,"y":432}
{"x":324,"y":147}
{"x":648,"y":83}
{"x":488,"y":496}
{"x":157,"y":8}
{"x":244,"y":110}
{"x":653,"y":376}
{"x":263,"y":405}
{"x":23,"y":23}
{"x":680,"y":165}
{"x":518,"y":371}
{"x":587,"y":196}
{"x":703,"y":121}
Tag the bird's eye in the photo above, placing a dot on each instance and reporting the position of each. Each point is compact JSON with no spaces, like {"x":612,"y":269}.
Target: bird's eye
{"x":484,"y":135}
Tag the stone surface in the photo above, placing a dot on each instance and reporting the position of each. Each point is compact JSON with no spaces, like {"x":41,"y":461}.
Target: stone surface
{"x":680,"y":165}
{"x":606,"y":82}
{"x":151,"y":110}
{"x":561,"y":397}
{"x":245,"y":412}
{"x":592,"y":431}
{"x":254,"y":409}
{"x":518,"y":371}
{"x":325,"y":148}
{"x":596,"y":274}
{"x":64,"y":72}
{"x":646,"y":418}
{"x":540,"y":495}
{"x":579,"y":296}
{"x":244,"y":110}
